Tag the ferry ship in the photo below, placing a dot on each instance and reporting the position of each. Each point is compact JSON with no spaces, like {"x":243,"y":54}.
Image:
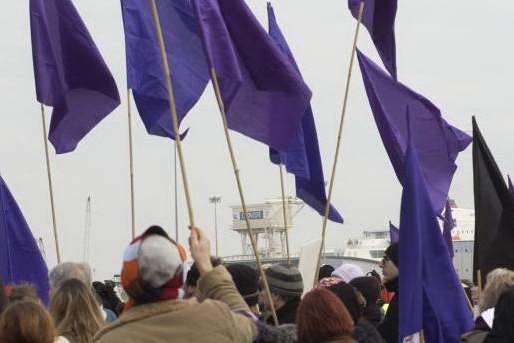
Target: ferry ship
{"x":373,"y":243}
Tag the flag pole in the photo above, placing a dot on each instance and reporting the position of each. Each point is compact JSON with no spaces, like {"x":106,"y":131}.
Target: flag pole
{"x":50,"y":186}
{"x":176,"y":192}
{"x":338,"y":144}
{"x":174,"y":119}
{"x":131,"y":162}
{"x":221,"y":106}
{"x":284,"y":213}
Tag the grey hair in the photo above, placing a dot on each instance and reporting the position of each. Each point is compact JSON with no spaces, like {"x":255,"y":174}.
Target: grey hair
{"x":70,"y":270}
{"x":498,"y":281}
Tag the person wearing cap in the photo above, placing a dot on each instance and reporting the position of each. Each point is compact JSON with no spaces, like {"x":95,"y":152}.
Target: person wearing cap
{"x":389,"y":264}
{"x":152,"y":276}
{"x":286,"y":286}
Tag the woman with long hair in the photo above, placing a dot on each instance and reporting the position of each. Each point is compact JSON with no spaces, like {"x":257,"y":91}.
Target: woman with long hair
{"x":27,"y":322}
{"x":76,"y":312}
{"x":323,"y":318}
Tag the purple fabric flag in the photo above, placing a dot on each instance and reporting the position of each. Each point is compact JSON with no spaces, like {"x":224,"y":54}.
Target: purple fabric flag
{"x":378,"y":18}
{"x":511,"y":187}
{"x":437,"y":142}
{"x":394,"y":233}
{"x":20,"y":258}
{"x":70,"y":74}
{"x":448,"y":225}
{"x":302,"y":158}
{"x":431,"y":296}
{"x":189,"y":70}
{"x":264,"y":96}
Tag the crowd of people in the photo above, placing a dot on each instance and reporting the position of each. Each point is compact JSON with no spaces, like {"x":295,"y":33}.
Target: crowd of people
{"x":218,"y":303}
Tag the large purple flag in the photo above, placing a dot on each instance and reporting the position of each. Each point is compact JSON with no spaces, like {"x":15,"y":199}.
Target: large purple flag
{"x":511,"y":187}
{"x":437,"y":142}
{"x":431,"y":295}
{"x":378,"y":18}
{"x":70,"y":74}
{"x":189,"y":70}
{"x":20,"y":258}
{"x":302,"y":158}
{"x":394,"y":233}
{"x":264,"y":96}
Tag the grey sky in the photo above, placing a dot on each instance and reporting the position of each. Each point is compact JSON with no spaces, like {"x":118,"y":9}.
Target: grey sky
{"x":457,"y":53}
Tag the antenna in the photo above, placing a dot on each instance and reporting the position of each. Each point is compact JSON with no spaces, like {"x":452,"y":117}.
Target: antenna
{"x":87,"y":231}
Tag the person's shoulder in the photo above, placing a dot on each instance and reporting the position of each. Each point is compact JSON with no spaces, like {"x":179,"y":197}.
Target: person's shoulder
{"x":474,"y":336}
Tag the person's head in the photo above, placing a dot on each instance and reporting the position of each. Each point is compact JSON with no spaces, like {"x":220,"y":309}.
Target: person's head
{"x":369,"y":287}
{"x":152,"y":268}
{"x":27,"y":322}
{"x":75,"y":311}
{"x":192,"y":277}
{"x":69,"y":270}
{"x":23,"y":292}
{"x":325,"y":271}
{"x":498,"y":281}
{"x":351,"y":298}
{"x":107,"y":295}
{"x":389,"y":263}
{"x":503,"y":323}
{"x":285,"y":283}
{"x":322,"y":317}
{"x":347,"y":272}
{"x":246,"y":279}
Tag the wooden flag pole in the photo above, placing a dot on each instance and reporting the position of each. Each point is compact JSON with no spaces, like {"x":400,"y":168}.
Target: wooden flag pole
{"x":176,"y":191}
{"x":284,"y":212}
{"x":131,"y":159}
{"x":173,"y":110}
{"x":338,"y":144}
{"x":221,"y":106}
{"x":50,"y":186}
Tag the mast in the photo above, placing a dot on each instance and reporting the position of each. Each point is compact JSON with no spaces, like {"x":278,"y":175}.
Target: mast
{"x":87,"y":231}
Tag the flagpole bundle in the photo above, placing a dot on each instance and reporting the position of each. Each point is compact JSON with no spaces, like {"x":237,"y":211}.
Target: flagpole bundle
{"x":221,"y":106}
{"x":284,"y":212}
{"x":131,"y":161}
{"x":50,"y":186}
{"x":174,"y":119}
{"x":338,"y":144}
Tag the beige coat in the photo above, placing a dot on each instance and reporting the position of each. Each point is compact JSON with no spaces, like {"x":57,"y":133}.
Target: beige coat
{"x":177,"y":321}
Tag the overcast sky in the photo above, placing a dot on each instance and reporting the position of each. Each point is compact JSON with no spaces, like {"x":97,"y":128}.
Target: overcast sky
{"x":457,"y":53}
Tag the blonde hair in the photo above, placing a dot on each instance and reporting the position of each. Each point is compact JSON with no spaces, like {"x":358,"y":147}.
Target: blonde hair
{"x":26,"y":321}
{"x":498,"y":281}
{"x":76,"y":312}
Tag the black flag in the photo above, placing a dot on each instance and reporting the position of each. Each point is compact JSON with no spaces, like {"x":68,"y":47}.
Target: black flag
{"x":494,"y":212}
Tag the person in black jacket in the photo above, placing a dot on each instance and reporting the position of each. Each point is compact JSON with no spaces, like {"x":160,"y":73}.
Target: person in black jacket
{"x":389,"y":327}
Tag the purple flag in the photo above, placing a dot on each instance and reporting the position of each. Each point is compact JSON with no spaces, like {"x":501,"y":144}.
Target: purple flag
{"x":20,"y":258}
{"x":189,"y":70}
{"x":394,"y":233}
{"x":431,"y":295}
{"x":437,"y":142}
{"x":511,"y":187}
{"x":70,"y":74}
{"x":302,"y":158}
{"x":448,"y":225}
{"x":378,"y":18}
{"x":265,"y":98}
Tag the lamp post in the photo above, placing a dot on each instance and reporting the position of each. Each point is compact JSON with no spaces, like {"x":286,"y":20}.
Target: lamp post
{"x":215,"y":200}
